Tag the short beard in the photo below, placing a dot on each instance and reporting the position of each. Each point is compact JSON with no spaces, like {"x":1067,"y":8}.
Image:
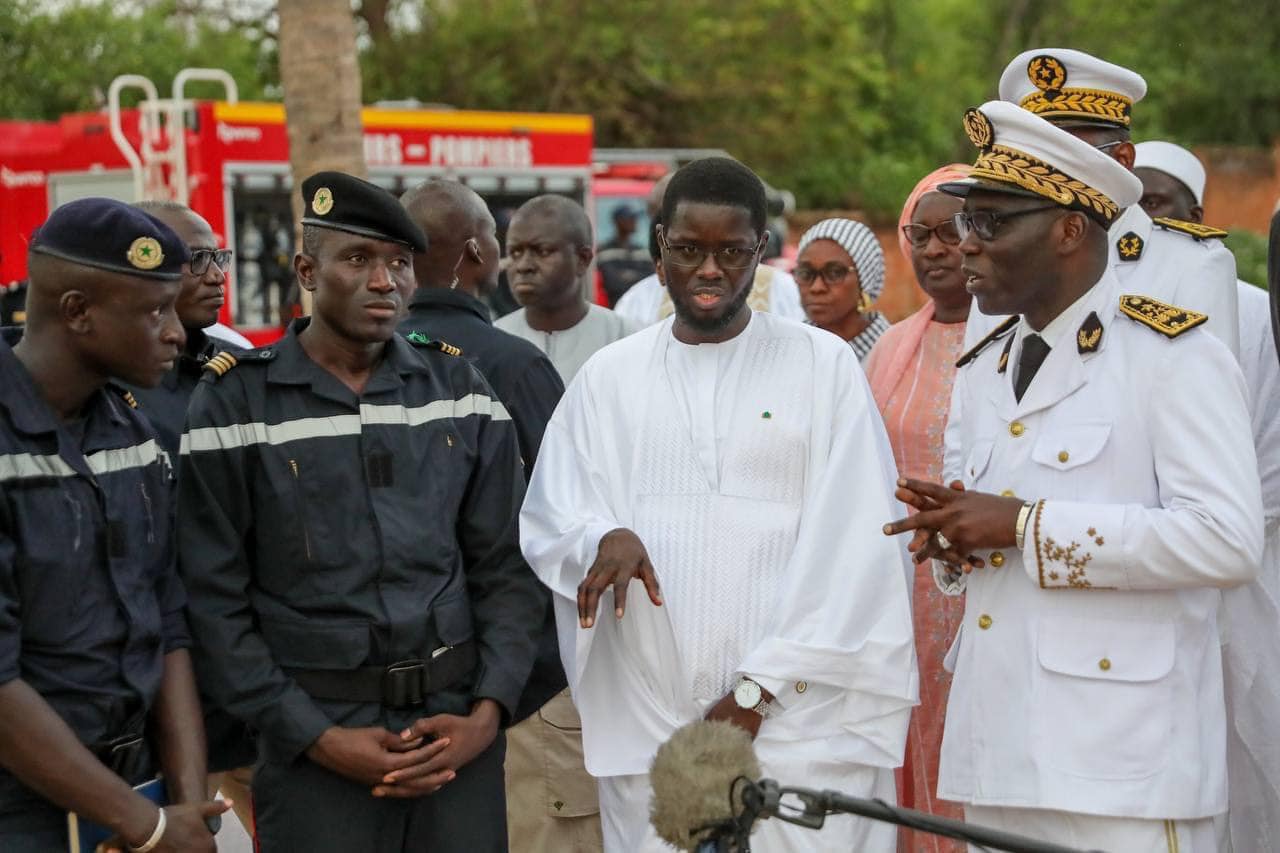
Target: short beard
{"x":712,"y":325}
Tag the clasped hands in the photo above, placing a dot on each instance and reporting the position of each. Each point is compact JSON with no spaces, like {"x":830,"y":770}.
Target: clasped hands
{"x":418,"y":761}
{"x":968,"y":521}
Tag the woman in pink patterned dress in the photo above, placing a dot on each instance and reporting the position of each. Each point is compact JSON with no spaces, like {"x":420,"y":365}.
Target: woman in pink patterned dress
{"x":911,"y":370}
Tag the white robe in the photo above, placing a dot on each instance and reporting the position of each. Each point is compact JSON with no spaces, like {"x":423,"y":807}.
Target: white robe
{"x":1250,"y":614}
{"x":758,"y":475}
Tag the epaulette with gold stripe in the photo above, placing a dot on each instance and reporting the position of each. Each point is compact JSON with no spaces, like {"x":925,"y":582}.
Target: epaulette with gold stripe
{"x":221,"y":363}
{"x":420,"y":340}
{"x":1194,"y":229}
{"x":1168,"y":320}
{"x":995,"y":334}
{"x":126,"y":395}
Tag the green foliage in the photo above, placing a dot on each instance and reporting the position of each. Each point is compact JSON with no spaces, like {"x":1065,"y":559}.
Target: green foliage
{"x":60,"y":59}
{"x":1250,"y":249}
{"x":845,"y":102}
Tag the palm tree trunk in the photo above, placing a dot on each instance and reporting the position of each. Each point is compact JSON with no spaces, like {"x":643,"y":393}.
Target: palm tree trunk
{"x":320,"y":73}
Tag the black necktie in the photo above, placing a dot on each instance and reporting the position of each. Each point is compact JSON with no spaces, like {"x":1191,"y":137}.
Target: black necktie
{"x":1034,"y":349}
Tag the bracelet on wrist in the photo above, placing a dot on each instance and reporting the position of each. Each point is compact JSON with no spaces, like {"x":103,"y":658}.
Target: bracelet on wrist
{"x":156,"y":834}
{"x":1020,"y":527}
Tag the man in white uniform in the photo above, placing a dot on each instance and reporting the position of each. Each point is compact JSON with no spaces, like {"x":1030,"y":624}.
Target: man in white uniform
{"x":1173,"y":185}
{"x":1108,"y":489}
{"x":738,"y":461}
{"x":1177,"y":262}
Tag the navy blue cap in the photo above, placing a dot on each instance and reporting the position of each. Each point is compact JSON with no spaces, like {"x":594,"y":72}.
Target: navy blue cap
{"x":346,"y":203}
{"x":113,"y":236}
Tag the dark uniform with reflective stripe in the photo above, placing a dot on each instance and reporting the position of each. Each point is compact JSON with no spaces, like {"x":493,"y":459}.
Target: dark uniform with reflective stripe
{"x":529,"y":387}
{"x":230,"y":745}
{"x":89,"y":599}
{"x":354,"y":561}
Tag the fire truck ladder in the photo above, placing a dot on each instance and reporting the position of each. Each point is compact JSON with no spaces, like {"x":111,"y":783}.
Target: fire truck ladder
{"x":160,"y":168}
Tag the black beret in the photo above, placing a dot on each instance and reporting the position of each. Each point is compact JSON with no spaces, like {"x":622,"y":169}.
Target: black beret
{"x":347,"y":203}
{"x":114,"y":236}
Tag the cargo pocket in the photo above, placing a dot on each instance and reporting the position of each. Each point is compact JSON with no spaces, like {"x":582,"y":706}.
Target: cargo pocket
{"x":570,"y":790}
{"x":1103,"y":695}
{"x":451,"y":616}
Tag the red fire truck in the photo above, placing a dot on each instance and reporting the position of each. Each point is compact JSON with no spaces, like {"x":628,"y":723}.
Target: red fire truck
{"x":230,"y":162}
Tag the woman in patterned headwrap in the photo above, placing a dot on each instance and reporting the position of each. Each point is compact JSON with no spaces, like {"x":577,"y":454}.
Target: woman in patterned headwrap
{"x":840,"y":272}
{"x":911,"y":371}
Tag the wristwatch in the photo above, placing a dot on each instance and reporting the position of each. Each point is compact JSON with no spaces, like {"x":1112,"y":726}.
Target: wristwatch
{"x":750,"y":697}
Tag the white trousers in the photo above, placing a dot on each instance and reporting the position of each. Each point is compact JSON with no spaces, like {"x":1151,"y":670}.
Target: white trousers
{"x":1097,"y":832}
{"x":624,"y":813}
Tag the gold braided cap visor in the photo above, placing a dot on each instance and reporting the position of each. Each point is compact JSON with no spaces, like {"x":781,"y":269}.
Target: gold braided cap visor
{"x":1005,"y":165}
{"x":1091,"y":105}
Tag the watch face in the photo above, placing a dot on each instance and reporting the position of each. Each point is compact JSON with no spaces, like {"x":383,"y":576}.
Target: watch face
{"x":747,"y":694}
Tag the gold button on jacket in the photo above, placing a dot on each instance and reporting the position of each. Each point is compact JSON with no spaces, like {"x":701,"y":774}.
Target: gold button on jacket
{"x":1104,"y":664}
{"x":1016,"y":429}
{"x":1064,"y":456}
{"x":984,"y":621}
{"x":801,"y":686}
{"x":997,"y":558}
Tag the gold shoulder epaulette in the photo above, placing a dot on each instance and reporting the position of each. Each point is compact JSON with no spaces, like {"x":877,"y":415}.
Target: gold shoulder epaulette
{"x":1168,"y":320}
{"x":1194,"y":229}
{"x":421,"y":340}
{"x":221,"y":363}
{"x":996,"y":333}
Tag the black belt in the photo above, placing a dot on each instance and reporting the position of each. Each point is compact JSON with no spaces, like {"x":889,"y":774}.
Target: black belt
{"x":403,"y":684}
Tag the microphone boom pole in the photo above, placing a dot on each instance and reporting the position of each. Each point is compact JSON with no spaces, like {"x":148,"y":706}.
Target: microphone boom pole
{"x":766,"y":798}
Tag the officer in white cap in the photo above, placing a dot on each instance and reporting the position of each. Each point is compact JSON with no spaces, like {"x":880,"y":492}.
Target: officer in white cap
{"x":1173,"y":182}
{"x":1180,"y":262}
{"x":1082,"y":516}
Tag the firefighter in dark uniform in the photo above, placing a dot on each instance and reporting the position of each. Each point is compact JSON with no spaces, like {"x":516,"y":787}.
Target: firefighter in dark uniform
{"x":96,"y":685}
{"x":357,"y":592}
{"x":203,"y":279}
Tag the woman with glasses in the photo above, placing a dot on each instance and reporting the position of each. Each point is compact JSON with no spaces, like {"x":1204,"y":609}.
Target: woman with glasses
{"x":911,"y":371}
{"x":840,"y":272}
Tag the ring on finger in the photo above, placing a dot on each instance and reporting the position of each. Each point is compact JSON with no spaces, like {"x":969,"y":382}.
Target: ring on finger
{"x":943,"y":542}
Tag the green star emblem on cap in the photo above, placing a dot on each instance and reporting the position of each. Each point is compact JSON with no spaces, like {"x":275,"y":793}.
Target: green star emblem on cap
{"x":766,"y":415}
{"x":145,"y":253}
{"x":322,"y":201}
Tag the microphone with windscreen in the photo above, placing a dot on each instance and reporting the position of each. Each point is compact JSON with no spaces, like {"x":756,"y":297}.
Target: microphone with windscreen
{"x":698,"y":777}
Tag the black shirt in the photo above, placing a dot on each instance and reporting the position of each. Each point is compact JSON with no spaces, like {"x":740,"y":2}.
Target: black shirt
{"x":325,"y":530}
{"x":521,"y":374}
{"x":530,"y":387}
{"x":90,"y":601}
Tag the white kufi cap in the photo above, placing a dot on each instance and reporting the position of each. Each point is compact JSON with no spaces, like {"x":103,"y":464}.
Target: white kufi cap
{"x":1173,"y":160}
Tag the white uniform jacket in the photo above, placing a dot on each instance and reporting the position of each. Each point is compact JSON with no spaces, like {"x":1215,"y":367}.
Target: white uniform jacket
{"x":1087,"y":671}
{"x":1165,"y":263}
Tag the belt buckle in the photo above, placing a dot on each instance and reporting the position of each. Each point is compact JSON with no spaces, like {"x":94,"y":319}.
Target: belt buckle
{"x":403,"y":683}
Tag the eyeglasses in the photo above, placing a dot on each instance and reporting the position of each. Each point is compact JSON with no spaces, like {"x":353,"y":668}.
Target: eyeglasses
{"x":691,"y":257}
{"x":201,"y":258}
{"x":1106,"y":145}
{"x":985,"y":222}
{"x":918,"y":235}
{"x":833,"y":273}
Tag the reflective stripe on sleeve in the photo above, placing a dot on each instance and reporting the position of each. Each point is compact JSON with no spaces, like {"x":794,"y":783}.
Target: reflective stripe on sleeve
{"x":244,"y":435}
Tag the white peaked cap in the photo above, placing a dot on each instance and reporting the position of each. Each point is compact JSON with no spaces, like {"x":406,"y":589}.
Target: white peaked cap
{"x":1070,"y":86}
{"x":1026,"y":155}
{"x":1173,"y":160}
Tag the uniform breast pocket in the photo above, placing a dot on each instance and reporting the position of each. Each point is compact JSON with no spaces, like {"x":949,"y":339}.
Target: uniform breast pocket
{"x":1065,"y":447}
{"x":975,"y":464}
{"x":1103,"y":696}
